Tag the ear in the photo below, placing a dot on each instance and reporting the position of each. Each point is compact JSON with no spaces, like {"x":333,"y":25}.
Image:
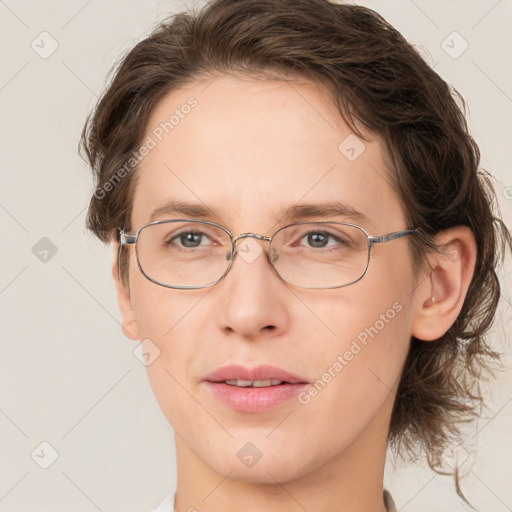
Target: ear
{"x":443,"y":287}
{"x":128,"y":322}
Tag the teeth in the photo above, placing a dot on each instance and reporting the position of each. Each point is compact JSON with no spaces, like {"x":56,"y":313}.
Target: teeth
{"x":254,"y":383}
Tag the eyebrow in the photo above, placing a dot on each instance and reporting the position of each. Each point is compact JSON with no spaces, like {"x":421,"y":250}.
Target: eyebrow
{"x":191,"y":210}
{"x":324,"y":209}
{"x":292,"y":213}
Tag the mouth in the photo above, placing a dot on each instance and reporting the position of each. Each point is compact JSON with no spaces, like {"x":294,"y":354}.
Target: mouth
{"x":259,"y":376}
{"x":254,"y":383}
{"x":254,"y":390}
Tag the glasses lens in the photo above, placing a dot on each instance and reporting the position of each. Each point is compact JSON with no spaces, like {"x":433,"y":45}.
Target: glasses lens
{"x":321,"y":255}
{"x":183,"y":253}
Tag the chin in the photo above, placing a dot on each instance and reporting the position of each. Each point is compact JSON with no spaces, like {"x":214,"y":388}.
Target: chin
{"x":260,"y":461}
{"x":261,"y":473}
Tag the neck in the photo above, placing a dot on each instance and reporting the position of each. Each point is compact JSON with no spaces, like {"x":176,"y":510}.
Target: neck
{"x":350,"y":481}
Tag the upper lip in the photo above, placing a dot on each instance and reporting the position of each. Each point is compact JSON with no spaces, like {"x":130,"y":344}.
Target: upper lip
{"x":261,"y":372}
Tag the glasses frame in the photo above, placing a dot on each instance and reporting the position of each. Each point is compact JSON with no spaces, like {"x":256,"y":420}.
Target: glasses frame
{"x":125,"y":239}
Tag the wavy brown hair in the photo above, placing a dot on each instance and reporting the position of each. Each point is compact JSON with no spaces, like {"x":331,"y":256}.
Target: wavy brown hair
{"x":378,"y":81}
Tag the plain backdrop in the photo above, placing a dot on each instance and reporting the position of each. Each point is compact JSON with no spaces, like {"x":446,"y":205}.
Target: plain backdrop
{"x":68,"y":377}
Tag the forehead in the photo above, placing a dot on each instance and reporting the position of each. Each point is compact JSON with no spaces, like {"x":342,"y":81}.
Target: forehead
{"x":248,"y":149}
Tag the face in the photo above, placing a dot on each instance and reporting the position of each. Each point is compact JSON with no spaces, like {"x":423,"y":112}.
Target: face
{"x":248,"y":150}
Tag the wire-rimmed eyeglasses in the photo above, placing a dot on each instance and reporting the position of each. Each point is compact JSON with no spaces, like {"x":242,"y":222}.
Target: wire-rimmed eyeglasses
{"x":192,"y":254}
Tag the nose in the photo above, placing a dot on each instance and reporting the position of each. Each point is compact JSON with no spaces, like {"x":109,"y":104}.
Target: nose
{"x":252,"y":296}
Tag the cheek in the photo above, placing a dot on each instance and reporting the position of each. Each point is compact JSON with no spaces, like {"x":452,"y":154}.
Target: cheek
{"x":172,"y":320}
{"x":370,"y":343}
{"x":356,"y":378}
{"x":359,"y":365}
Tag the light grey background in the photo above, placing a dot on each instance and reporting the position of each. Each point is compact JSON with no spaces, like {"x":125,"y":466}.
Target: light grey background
{"x":68,"y":377}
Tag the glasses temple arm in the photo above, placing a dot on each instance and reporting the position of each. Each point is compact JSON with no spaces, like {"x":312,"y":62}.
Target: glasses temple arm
{"x":390,"y":236}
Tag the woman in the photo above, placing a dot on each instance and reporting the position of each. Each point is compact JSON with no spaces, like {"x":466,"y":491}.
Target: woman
{"x":307,"y":251}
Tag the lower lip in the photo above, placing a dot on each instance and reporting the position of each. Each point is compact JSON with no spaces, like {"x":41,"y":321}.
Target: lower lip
{"x":254,"y":399}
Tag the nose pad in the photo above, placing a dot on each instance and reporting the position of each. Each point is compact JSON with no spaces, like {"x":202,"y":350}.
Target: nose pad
{"x":273,"y":256}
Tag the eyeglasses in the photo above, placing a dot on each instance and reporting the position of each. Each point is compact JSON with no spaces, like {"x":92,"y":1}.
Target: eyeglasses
{"x":191,"y":254}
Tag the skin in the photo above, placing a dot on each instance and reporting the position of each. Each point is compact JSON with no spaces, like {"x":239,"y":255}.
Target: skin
{"x":248,"y":150}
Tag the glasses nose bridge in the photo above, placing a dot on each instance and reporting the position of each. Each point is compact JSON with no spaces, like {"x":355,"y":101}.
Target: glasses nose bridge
{"x":241,"y":236}
{"x":250,"y":235}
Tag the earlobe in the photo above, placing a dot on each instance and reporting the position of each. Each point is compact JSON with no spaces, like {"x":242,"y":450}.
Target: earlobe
{"x":443,"y":288}
{"x":128,"y":321}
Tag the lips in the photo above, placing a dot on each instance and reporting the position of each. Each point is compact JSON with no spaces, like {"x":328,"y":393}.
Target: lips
{"x":259,"y":373}
{"x":253,"y":390}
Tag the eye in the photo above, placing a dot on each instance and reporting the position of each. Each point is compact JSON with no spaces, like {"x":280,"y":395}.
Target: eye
{"x":189,"y":239}
{"x":320,"y":239}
